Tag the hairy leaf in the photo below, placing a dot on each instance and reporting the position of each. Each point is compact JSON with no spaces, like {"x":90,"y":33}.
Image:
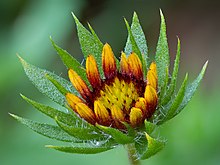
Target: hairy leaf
{"x":149,"y":127}
{"x":117,"y":135}
{"x":70,"y":62}
{"x":47,"y":130}
{"x":162,"y":56}
{"x":67,"y":118}
{"x":140,"y":40}
{"x":80,"y":150}
{"x":134,"y":45}
{"x":81,"y":133}
{"x":178,"y":99}
{"x":172,"y":85}
{"x":191,"y":88}
{"x":37,"y":76}
{"x":90,"y":45}
{"x":153,"y":147}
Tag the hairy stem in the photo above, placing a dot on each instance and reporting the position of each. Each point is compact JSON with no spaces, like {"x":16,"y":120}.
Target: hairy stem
{"x":132,"y":154}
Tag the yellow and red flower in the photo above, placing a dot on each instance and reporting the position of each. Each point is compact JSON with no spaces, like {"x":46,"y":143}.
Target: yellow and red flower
{"x":124,"y":95}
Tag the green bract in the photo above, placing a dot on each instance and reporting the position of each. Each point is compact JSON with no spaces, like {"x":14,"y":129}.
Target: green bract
{"x":87,"y":138}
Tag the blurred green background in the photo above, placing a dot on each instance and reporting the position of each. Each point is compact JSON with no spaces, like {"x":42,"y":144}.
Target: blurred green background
{"x":25,"y":27}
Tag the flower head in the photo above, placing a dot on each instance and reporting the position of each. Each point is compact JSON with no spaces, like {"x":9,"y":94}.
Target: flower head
{"x":113,"y":102}
{"x":124,"y":95}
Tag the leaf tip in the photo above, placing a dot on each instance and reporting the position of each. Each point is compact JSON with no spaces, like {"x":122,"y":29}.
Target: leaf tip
{"x":75,"y":18}
{"x":206,"y":64}
{"x":14,"y":116}
{"x":50,"y":146}
{"x":135,"y":14}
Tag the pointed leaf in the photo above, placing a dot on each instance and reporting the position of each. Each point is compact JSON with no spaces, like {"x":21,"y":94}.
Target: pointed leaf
{"x":172,"y":85}
{"x":80,"y":150}
{"x":60,"y":88}
{"x":140,"y":40}
{"x":162,"y":55}
{"x":164,"y":89}
{"x":37,"y":76}
{"x":94,"y":34}
{"x":67,"y":118}
{"x":117,"y":135}
{"x":190,"y":90}
{"x":80,"y":132}
{"x":47,"y":130}
{"x":89,"y":44}
{"x":70,"y":62}
{"x":153,"y":147}
{"x":177,"y":101}
{"x":134,"y":45}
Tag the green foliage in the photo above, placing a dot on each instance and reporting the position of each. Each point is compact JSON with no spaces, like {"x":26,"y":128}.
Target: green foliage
{"x":81,"y":133}
{"x":57,"y":85}
{"x":172,"y":85}
{"x":177,"y":101}
{"x":47,"y":130}
{"x":153,"y":147}
{"x":67,"y":118}
{"x":162,"y":57}
{"x":191,"y":88}
{"x":72,"y":128}
{"x":136,"y":41}
{"x":149,"y":127}
{"x":80,"y":150}
{"x":117,"y":135}
{"x":69,"y":61}
{"x":90,"y":44}
{"x":38,"y":78}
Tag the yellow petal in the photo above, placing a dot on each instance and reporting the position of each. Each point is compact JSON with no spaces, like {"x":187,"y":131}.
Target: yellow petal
{"x":150,"y":96}
{"x":141,"y":103}
{"x":152,"y":76}
{"x":79,"y":84}
{"x":85,"y":112}
{"x":93,"y":72}
{"x":101,"y":113}
{"x":117,"y":114}
{"x":124,"y":65}
{"x":151,"y":79}
{"x":135,"y":66}
{"x":136,"y":116}
{"x":108,"y":62}
{"x":153,"y":67}
{"x":72,"y":100}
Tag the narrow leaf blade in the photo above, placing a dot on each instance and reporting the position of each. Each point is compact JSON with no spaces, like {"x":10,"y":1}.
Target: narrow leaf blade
{"x":37,"y":76}
{"x":117,"y":135}
{"x":67,"y":118}
{"x":47,"y":130}
{"x":153,"y":147}
{"x":134,"y":45}
{"x":81,"y":133}
{"x":80,"y":150}
{"x":172,"y":85}
{"x":89,"y":44}
{"x":162,"y":55}
{"x":190,"y":90}
{"x":177,"y":101}
{"x":140,"y":39}
{"x":69,"y":61}
{"x":60,"y":88}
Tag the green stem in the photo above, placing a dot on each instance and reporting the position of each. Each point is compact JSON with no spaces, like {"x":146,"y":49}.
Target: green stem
{"x":132,"y":155}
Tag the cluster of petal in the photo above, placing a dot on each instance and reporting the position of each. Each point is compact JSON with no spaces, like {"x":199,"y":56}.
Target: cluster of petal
{"x":124,"y":95}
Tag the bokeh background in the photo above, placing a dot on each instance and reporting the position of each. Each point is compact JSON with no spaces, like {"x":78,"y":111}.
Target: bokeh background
{"x":25,"y":27}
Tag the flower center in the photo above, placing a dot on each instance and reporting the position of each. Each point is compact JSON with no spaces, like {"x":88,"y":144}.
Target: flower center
{"x":119,"y":93}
